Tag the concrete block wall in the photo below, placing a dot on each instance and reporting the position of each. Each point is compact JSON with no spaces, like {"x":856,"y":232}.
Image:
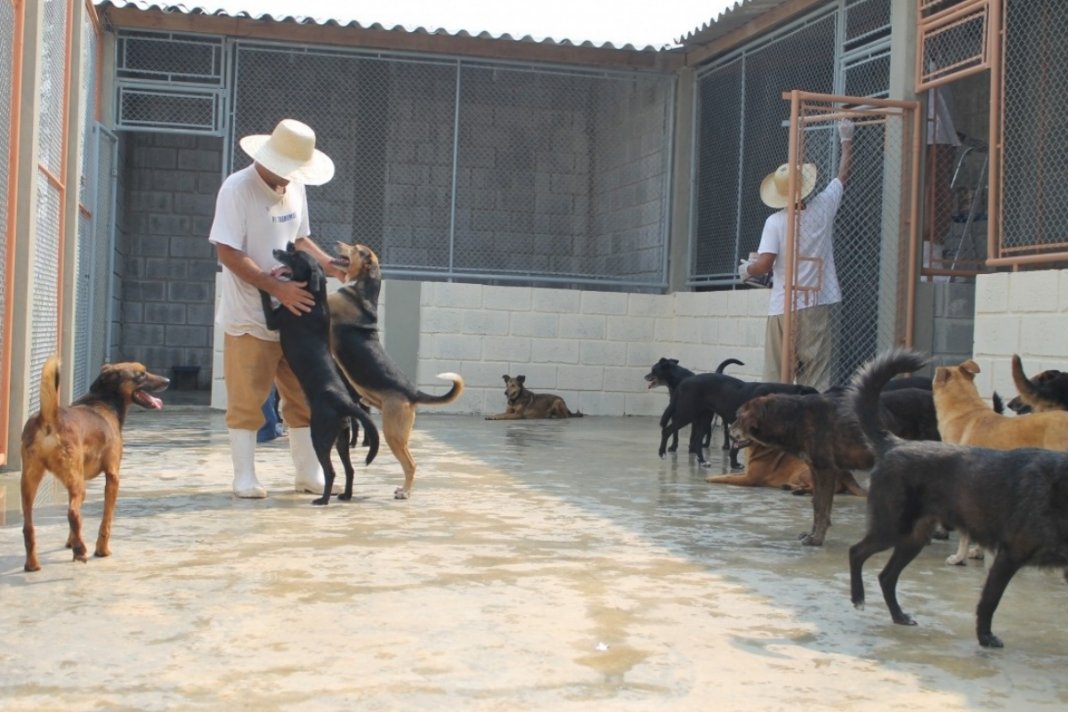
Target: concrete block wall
{"x":592,"y":348}
{"x":628,"y":196}
{"x":1021,"y":313}
{"x":169,"y":266}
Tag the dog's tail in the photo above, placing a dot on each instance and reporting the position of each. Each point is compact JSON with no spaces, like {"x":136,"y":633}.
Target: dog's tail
{"x":868,"y":382}
{"x":453,"y":394}
{"x":1030,"y":395}
{"x":370,"y":432}
{"x":728,"y":362}
{"x":49,"y":397}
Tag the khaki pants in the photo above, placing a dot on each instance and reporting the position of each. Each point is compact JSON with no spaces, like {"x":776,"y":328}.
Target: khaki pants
{"x":814,"y":346}
{"x":250,"y":366}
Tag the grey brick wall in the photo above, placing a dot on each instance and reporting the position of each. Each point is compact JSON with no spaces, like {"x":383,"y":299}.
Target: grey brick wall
{"x":167,"y":264}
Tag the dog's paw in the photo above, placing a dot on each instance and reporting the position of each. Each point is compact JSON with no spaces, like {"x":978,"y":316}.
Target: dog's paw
{"x":810,"y":539}
{"x":904,"y":619}
{"x":976,"y":552}
{"x":954,"y":560}
{"x":399,"y":493}
{"x":321,"y":501}
{"x":989,"y":640}
{"x":345,"y":496}
{"x":101,"y":553}
{"x":859,"y":605}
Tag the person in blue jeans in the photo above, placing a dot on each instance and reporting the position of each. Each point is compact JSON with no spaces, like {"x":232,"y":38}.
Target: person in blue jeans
{"x":272,"y":424}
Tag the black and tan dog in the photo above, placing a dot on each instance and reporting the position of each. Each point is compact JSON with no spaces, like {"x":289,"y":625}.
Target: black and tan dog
{"x":358,"y":351}
{"x":526,"y":404}
{"x":79,"y":442}
{"x":1013,"y":501}
{"x":815,"y":428}
{"x":305,"y":341}
{"x":698,"y":399}
{"x":667,"y":372}
{"x":1044,"y":391}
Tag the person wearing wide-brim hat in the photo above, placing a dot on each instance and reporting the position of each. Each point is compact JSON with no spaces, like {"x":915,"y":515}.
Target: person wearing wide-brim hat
{"x":260,"y":208}
{"x":816,"y":291}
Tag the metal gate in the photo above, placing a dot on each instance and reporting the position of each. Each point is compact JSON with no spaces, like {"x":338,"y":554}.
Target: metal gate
{"x":96,"y":251}
{"x":875,"y":228}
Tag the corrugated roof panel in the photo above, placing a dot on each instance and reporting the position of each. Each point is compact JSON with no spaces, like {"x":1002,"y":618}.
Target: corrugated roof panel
{"x":743,"y":12}
{"x":180,"y":8}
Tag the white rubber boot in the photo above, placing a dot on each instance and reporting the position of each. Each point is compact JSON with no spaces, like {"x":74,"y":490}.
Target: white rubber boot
{"x":309,"y":474}
{"x":242,"y":451}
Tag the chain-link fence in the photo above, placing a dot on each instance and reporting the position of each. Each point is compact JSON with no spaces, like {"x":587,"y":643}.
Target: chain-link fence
{"x":10,"y":20}
{"x":470,"y":170}
{"x":868,"y":274}
{"x":55,"y":47}
{"x":1034,"y":200}
{"x":741,"y":137}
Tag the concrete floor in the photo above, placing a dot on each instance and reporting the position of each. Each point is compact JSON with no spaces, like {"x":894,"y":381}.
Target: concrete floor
{"x":543,"y":565}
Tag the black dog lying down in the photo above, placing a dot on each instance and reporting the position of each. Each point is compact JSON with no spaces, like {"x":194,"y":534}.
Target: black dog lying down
{"x":668,"y":372}
{"x":1014,"y":501}
{"x":306,"y":345}
{"x":698,"y":399}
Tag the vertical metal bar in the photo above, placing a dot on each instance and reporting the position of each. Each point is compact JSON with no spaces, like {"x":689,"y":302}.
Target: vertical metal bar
{"x":996,"y":146}
{"x":113,"y":199}
{"x":14,"y":137}
{"x":665,"y":186}
{"x":786,"y":369}
{"x":918,"y":142}
{"x":63,"y":175}
{"x":455,"y":170}
{"x":740,"y":167}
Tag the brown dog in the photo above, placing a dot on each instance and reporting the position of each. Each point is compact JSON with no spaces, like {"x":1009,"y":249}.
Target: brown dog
{"x":358,"y":351}
{"x":523,"y":404}
{"x":965,"y":419}
{"x":79,"y":442}
{"x":816,"y":429}
{"x":769,"y":467}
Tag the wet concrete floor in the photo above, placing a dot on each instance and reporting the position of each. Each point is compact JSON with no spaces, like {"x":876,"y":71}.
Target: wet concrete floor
{"x":541,"y":565}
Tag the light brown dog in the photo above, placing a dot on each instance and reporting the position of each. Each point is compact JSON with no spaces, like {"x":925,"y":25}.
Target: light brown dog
{"x":358,"y":351}
{"x":523,"y":403}
{"x":771,"y":467}
{"x":79,"y":442}
{"x":964,"y":418}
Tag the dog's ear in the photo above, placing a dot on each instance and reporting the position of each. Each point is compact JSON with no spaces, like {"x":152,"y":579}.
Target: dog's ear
{"x":970,"y":368}
{"x":941,"y":376}
{"x":315,"y":275}
{"x":506,"y":377}
{"x":520,"y":379}
{"x":291,"y":247}
{"x":673,"y":361}
{"x":106,"y":380}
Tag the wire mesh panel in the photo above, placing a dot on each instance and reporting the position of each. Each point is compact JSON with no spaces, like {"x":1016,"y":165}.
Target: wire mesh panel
{"x":1034,"y":201}
{"x":952,"y":40}
{"x":873,"y":229}
{"x":48,"y":220}
{"x":477,"y":171}
{"x":86,"y":327}
{"x":742,"y":135}
{"x":7,"y":60}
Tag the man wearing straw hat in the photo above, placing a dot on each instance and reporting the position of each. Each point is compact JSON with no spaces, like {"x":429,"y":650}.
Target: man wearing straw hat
{"x":258,"y":209}
{"x":816,"y":292}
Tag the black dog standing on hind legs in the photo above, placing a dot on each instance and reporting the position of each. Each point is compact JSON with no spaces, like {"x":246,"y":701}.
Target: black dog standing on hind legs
{"x":1011,"y":501}
{"x":305,"y":343}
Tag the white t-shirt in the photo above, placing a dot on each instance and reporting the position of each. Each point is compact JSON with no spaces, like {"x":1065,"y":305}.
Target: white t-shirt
{"x":250,"y":216}
{"x":814,"y":243}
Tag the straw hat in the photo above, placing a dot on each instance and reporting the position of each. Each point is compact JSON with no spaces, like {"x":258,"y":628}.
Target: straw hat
{"x":774,"y":189}
{"x":290,"y":153}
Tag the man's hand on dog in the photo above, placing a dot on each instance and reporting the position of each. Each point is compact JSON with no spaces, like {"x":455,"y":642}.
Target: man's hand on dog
{"x":291,"y":294}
